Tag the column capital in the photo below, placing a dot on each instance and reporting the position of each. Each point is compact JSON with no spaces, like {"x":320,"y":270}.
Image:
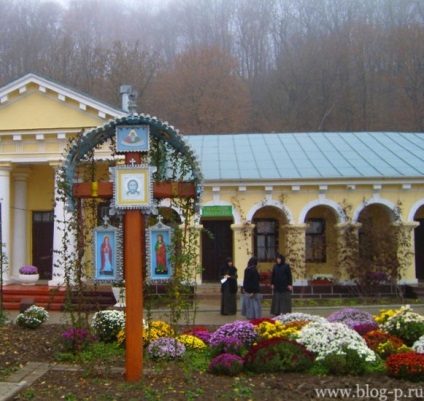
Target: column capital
{"x":21,"y":173}
{"x":55,"y":164}
{"x":342,"y":226}
{"x":6,"y":167}
{"x":406,"y":224}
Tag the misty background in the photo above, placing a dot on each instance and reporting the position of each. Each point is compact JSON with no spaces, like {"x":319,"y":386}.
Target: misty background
{"x":220,"y":66}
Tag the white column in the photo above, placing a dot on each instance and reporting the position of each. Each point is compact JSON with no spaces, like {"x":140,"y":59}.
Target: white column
{"x":5,"y":217}
{"x":61,"y":215}
{"x":19,"y":245}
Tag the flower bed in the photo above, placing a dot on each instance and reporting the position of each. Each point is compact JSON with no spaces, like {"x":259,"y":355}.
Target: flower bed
{"x":348,"y":342}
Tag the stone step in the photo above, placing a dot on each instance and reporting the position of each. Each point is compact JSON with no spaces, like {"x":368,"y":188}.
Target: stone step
{"x":414,"y":290}
{"x":15,"y":296}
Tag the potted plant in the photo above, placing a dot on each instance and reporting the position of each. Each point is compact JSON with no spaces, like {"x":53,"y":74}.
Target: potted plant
{"x":265,"y":277}
{"x":322,"y":279}
{"x":28,"y":275}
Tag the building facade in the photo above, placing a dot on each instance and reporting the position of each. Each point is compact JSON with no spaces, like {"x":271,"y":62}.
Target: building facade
{"x":297,"y":194}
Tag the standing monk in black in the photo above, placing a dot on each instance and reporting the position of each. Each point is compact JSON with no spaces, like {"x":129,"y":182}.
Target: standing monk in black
{"x":282,"y":286}
{"x":252,"y":297}
{"x":228,"y":288}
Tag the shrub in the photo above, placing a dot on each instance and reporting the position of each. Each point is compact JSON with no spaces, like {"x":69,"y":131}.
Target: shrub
{"x":156,"y":329}
{"x":324,"y":338}
{"x":278,"y":355}
{"x":405,"y":324}
{"x":33,"y":317}
{"x":227,"y":345}
{"x":76,"y":340}
{"x":360,"y":321}
{"x":166,"y":348}
{"x":107,"y":324}
{"x":226,"y":364}
{"x":245,"y":331}
{"x":345,"y":361}
{"x":191,"y":342}
{"x":408,"y":366}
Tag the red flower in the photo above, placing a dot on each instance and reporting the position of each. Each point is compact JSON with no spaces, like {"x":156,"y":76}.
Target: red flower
{"x":376,"y":337}
{"x":409,"y":366}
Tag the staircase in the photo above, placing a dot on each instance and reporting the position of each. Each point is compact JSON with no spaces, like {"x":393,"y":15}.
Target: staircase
{"x":415,"y":290}
{"x":18,"y":297}
{"x":208,"y":291}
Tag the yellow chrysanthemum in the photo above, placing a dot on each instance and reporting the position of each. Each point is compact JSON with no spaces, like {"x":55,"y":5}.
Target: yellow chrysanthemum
{"x":157,"y":329}
{"x":385,"y":315}
{"x":191,"y":342}
{"x":267,"y":330}
{"x":121,"y":337}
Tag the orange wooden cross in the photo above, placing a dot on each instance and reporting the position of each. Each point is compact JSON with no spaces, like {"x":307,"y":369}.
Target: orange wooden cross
{"x":134,"y":253}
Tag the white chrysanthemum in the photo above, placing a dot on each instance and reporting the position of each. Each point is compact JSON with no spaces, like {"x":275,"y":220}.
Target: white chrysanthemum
{"x":107,"y":324}
{"x":324,"y":338}
{"x":418,"y":345}
{"x":293,"y":317}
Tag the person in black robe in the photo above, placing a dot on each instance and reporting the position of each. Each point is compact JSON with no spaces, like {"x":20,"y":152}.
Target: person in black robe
{"x":252,"y":298}
{"x":282,"y":286}
{"x":228,"y":276}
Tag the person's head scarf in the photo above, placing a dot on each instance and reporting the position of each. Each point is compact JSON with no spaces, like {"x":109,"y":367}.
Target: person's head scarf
{"x":253,"y":261}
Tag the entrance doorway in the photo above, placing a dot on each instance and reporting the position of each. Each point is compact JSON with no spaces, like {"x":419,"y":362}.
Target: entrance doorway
{"x":42,"y":243}
{"x":216,"y":249}
{"x":419,"y":250}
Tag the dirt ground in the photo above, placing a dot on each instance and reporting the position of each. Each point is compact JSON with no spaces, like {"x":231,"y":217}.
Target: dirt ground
{"x":174,"y":381}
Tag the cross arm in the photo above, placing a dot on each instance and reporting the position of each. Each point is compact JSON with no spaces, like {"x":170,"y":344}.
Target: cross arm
{"x":160,"y":190}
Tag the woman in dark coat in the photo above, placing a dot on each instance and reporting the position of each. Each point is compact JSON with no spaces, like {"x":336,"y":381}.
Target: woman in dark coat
{"x":252,"y":297}
{"x":282,"y":286}
{"x":228,"y":273}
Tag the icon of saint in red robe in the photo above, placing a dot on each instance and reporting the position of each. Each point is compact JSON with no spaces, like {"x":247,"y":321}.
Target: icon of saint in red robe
{"x":160,"y":248}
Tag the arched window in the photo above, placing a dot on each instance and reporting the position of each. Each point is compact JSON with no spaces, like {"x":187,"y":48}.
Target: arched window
{"x":315,"y":246}
{"x":266,"y":239}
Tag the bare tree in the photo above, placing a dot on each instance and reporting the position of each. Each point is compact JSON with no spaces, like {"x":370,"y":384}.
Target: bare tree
{"x":202,"y":93}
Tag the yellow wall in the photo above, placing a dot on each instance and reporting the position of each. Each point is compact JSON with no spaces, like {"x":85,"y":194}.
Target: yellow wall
{"x":35,"y":111}
{"x":327,"y":204}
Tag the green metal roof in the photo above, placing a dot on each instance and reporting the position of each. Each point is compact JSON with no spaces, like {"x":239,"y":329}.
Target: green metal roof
{"x":309,"y":155}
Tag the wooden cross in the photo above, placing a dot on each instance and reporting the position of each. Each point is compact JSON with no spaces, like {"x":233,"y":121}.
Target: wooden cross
{"x":134,"y":255}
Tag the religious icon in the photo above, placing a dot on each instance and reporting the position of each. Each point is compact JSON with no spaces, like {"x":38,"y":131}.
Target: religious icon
{"x":132,"y":138}
{"x":106,"y":257}
{"x":105,"y":251}
{"x":160,"y":249}
{"x":158,"y":245}
{"x":132,"y":187}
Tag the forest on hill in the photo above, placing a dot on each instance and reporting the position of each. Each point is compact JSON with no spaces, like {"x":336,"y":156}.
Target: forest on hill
{"x":220,"y":66}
